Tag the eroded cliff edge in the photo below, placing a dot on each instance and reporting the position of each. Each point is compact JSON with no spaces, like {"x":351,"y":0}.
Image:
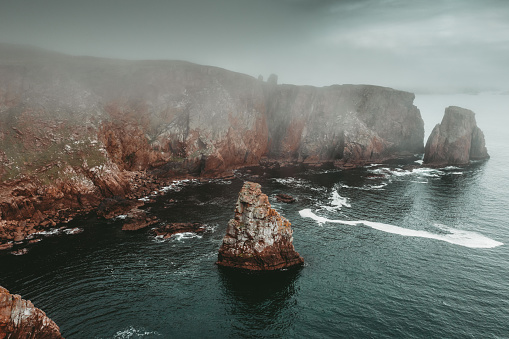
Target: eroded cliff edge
{"x":77,"y":130}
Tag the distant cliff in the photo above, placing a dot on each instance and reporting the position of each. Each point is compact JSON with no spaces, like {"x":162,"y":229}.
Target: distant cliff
{"x":75,"y":130}
{"x":456,"y":140}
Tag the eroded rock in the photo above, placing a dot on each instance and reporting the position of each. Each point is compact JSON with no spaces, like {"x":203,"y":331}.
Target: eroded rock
{"x":282,"y":197}
{"x":138,"y":219}
{"x":456,"y":140}
{"x":19,"y":318}
{"x":258,"y":238}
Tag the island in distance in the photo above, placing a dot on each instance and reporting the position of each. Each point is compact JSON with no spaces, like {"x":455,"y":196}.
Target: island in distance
{"x":456,"y":140}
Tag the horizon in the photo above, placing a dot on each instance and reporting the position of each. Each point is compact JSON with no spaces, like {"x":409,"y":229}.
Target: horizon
{"x":445,"y":47}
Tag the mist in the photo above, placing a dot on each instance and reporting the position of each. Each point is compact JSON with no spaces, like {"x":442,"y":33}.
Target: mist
{"x":455,"y":46}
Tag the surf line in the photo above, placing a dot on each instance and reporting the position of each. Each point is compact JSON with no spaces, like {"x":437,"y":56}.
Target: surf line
{"x":454,"y":236}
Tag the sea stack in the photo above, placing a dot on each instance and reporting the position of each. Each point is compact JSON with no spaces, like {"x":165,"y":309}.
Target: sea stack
{"x":257,"y":238}
{"x":19,"y":318}
{"x":456,"y":140}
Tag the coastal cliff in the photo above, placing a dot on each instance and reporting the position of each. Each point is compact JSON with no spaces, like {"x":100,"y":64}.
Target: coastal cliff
{"x":77,"y":130}
{"x":257,"y":238}
{"x":19,"y":318}
{"x":456,"y":140}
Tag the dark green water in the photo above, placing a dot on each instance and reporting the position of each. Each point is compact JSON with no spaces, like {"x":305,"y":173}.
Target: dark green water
{"x":359,"y":281}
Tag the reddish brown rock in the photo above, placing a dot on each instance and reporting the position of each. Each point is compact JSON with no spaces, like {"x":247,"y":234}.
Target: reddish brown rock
{"x":456,"y":140}
{"x":19,"y":318}
{"x":138,"y":219}
{"x":77,"y":130}
{"x":285,"y":198}
{"x":257,"y":238}
{"x":166,"y":231}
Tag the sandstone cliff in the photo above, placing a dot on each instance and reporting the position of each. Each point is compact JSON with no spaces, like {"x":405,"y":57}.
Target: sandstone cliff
{"x":21,"y":319}
{"x":257,"y":238}
{"x":456,"y":140}
{"x":77,"y":130}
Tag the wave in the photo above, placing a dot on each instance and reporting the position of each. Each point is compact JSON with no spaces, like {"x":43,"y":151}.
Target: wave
{"x":132,"y":332}
{"x":454,"y":236}
{"x":336,"y":202}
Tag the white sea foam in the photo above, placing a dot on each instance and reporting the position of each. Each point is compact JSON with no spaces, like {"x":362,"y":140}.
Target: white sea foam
{"x":292,"y":182}
{"x":74,"y":230}
{"x":132,"y":332}
{"x":454,"y":236}
{"x":337,"y":202}
{"x":367,"y":187}
{"x":49,"y":232}
{"x":185,"y":235}
{"x":398,"y":172}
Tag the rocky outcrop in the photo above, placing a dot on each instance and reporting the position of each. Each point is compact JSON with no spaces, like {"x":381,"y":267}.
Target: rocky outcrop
{"x":19,"y":318}
{"x":257,"y":238}
{"x":281,"y":197}
{"x":138,"y":219}
{"x":456,"y":140}
{"x":77,"y":130}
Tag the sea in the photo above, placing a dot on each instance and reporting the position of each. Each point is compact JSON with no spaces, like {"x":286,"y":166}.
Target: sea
{"x":391,"y":250}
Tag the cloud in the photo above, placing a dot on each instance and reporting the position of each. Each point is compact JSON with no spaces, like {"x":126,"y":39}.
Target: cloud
{"x":398,"y":43}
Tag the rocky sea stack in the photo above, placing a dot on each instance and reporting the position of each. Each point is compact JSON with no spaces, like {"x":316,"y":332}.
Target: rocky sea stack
{"x":456,"y":140}
{"x":19,"y":318}
{"x":257,"y":238}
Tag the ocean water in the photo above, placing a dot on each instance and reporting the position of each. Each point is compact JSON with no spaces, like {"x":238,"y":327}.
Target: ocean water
{"x":390,"y":253}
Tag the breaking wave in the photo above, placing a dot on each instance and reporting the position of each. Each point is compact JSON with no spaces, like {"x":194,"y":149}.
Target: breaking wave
{"x":336,"y":202}
{"x":453,"y":236}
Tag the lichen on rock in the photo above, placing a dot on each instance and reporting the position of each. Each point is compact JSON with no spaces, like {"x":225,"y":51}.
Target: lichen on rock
{"x":258,"y":238}
{"x":19,"y":318}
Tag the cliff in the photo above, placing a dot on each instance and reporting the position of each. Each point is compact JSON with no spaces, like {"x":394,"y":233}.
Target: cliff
{"x":19,"y":318}
{"x":456,"y":140}
{"x":257,"y":238}
{"x":76,"y":130}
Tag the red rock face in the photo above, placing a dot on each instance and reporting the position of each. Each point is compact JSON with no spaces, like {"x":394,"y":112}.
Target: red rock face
{"x":74,"y":131}
{"x":456,"y":140}
{"x":257,"y":238}
{"x":19,"y":318}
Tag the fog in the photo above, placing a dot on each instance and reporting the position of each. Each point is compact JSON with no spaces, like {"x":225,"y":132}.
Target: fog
{"x":422,"y":46}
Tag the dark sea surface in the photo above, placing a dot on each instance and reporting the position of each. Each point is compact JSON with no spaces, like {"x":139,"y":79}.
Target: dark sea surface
{"x":426,"y":256}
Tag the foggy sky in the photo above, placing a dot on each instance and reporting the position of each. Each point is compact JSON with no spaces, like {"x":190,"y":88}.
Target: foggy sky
{"x":439,"y":45}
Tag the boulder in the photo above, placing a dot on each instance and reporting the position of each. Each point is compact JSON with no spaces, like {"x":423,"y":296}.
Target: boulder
{"x":258,"y":238}
{"x":138,"y":219}
{"x":285,"y":198}
{"x":456,"y":140}
{"x":19,"y":318}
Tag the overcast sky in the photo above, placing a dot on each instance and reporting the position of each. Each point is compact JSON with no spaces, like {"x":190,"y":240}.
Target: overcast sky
{"x":414,"y":45}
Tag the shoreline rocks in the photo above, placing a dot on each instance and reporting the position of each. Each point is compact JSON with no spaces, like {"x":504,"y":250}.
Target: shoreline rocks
{"x":19,"y":318}
{"x":258,"y":238}
{"x":285,"y":198}
{"x":137,"y":124}
{"x":456,"y":140}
